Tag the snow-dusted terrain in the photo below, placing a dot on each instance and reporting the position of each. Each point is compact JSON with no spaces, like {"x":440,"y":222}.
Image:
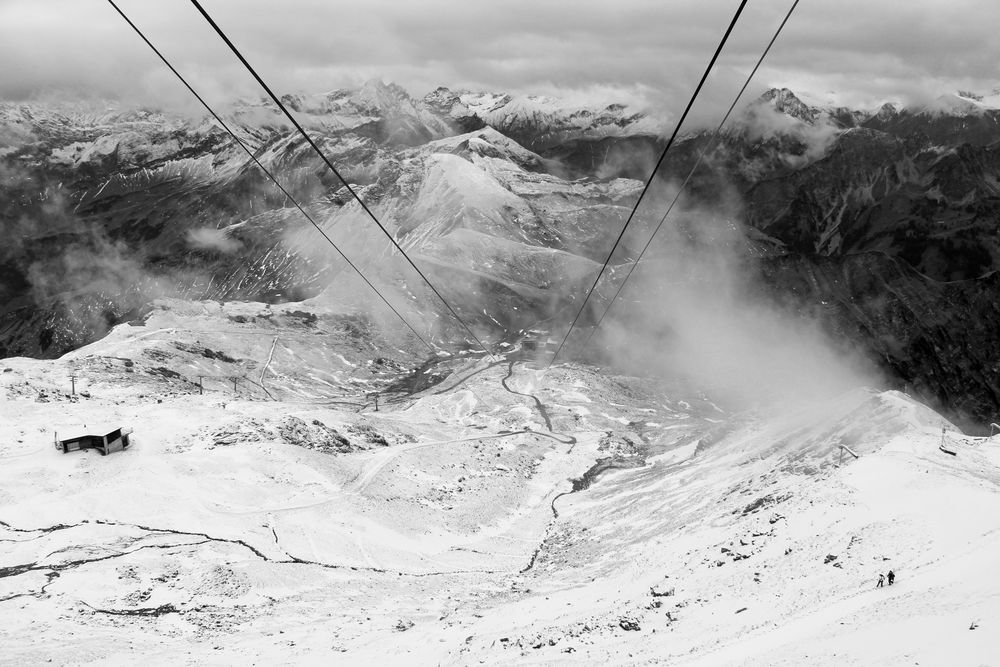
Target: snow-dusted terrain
{"x":306,"y":484}
{"x":500,"y":515}
{"x":878,"y":220}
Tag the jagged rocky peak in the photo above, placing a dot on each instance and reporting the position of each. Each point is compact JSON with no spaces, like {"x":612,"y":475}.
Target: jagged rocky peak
{"x":784,"y":101}
{"x":887,"y":111}
{"x":824,"y":109}
{"x":374,"y":97}
{"x":294,"y":102}
{"x":442,"y":99}
{"x":448,"y":104}
{"x":384,"y":96}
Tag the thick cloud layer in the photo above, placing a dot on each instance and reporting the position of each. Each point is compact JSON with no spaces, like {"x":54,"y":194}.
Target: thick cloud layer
{"x":648,"y":49}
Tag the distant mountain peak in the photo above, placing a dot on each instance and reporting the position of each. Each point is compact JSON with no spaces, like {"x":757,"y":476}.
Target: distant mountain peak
{"x":886,"y":111}
{"x":785,"y":101}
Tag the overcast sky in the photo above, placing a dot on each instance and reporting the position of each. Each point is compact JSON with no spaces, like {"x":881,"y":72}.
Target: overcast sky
{"x":864,"y":50}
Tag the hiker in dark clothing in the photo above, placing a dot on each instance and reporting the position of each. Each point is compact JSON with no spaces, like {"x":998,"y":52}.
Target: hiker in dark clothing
{"x":891,"y":577}
{"x":881,"y":580}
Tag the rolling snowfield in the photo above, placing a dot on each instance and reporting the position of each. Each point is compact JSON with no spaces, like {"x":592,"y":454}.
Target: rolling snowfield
{"x":491,"y":514}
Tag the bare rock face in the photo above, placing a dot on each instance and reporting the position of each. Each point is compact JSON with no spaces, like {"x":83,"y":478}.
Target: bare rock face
{"x":244,"y":431}
{"x":314,"y":435}
{"x":369,"y":435}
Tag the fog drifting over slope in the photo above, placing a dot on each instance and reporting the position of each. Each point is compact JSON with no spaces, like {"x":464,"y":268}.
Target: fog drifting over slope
{"x":693,"y":311}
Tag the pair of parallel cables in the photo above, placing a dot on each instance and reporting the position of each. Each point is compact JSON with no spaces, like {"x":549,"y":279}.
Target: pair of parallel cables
{"x":284,"y":191}
{"x":713,"y":142}
{"x":392,"y":239}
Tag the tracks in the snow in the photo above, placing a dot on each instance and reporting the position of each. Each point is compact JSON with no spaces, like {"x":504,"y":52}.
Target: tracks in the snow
{"x":194,"y":538}
{"x":54,"y":570}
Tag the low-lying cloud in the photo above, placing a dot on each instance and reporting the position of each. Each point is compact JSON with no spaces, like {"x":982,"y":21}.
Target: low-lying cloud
{"x":764,"y":122}
{"x":692,"y":312}
{"x":866,"y":51}
{"x":210,"y":238}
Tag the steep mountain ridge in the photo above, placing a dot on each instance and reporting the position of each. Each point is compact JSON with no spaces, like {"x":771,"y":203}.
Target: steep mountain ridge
{"x":507,"y":201}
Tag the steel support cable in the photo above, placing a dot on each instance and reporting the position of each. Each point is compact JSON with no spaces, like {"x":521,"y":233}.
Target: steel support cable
{"x":267,"y":172}
{"x":649,"y":182}
{"x":713,"y":143}
{"x":336,"y":173}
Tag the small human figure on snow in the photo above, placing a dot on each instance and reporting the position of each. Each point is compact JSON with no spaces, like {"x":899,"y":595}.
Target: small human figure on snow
{"x":881,"y":580}
{"x":891,"y":577}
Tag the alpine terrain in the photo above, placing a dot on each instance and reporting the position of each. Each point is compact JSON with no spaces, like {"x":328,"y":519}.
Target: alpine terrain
{"x":794,"y":395}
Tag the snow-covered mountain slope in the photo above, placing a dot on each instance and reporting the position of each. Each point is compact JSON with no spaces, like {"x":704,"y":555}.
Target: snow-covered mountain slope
{"x":384,"y":112}
{"x":757,"y":546}
{"x":496,"y":514}
{"x":549,"y":121}
{"x":508,"y":201}
{"x":84,"y":184}
{"x":480,"y":214}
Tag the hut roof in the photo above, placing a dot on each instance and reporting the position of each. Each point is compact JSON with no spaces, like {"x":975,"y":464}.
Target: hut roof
{"x":96,"y":430}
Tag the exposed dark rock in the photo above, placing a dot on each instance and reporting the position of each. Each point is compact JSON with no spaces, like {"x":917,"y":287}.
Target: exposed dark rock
{"x":630,"y":624}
